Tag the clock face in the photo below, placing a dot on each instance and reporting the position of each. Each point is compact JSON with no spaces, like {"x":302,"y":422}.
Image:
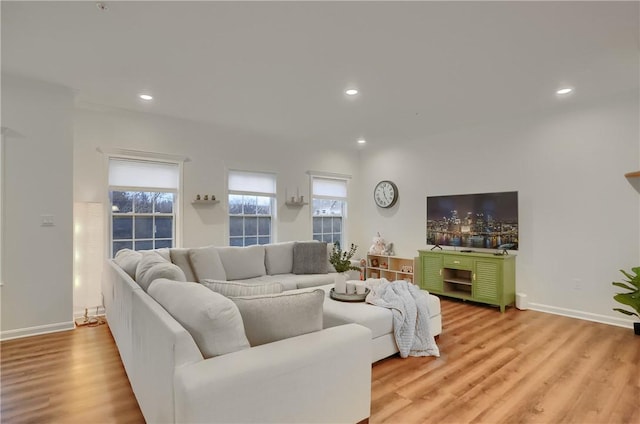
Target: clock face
{"x":385,"y":194}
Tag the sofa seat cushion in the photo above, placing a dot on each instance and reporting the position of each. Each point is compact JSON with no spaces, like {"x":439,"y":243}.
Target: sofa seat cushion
{"x":213,"y":320}
{"x":242,"y":262}
{"x":270,"y":318}
{"x":279,"y":258}
{"x":206,"y":264}
{"x":153,"y":266}
{"x":310,"y":258}
{"x":378,"y":319}
{"x":236,"y":288}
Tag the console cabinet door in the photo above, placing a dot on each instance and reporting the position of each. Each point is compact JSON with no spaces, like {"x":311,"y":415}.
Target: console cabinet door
{"x":487,"y":280}
{"x":432,"y":272}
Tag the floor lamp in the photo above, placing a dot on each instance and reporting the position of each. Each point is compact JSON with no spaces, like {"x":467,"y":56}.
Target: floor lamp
{"x":88,"y":259}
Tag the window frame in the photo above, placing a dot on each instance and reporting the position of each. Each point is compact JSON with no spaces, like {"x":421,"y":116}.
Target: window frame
{"x":140,"y":156}
{"x":273,"y":207}
{"x":345,"y":203}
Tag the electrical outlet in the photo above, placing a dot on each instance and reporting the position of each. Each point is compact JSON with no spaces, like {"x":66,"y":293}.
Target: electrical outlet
{"x":577,"y":284}
{"x":47,"y":221}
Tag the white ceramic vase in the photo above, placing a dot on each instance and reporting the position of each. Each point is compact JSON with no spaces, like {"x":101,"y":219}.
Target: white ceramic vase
{"x":341,"y":283}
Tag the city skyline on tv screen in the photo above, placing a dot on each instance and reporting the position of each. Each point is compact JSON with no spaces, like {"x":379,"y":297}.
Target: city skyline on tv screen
{"x":484,"y":220}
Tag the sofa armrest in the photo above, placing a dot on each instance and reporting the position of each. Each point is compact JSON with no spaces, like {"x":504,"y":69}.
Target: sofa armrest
{"x":323,"y":376}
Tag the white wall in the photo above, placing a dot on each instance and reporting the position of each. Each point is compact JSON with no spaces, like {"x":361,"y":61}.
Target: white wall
{"x":579,"y":216}
{"x":38,"y":180}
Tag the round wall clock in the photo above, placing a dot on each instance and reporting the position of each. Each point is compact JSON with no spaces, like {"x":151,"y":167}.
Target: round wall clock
{"x":385,"y":194}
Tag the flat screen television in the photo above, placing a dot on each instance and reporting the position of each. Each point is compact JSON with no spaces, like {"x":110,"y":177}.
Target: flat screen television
{"x":485,"y":220}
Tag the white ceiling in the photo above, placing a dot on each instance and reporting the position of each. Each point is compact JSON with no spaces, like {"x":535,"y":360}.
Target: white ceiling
{"x":279,"y":69}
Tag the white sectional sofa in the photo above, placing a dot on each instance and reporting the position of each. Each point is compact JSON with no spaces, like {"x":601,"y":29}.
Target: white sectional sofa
{"x":318,"y":375}
{"x":315,"y":377}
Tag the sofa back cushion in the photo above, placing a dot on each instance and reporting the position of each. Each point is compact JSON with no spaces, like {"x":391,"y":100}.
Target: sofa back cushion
{"x":180,"y":257}
{"x":310,"y":258}
{"x":241,"y":263}
{"x":278,"y":258}
{"x":153,"y":266}
{"x":206,"y":264}
{"x":270,"y":318}
{"x":237,"y":288}
{"x":128,"y":260}
{"x":213,"y":320}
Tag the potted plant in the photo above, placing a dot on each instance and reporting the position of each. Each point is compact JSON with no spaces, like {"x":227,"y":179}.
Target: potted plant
{"x":632,"y":297}
{"x":340,"y":260}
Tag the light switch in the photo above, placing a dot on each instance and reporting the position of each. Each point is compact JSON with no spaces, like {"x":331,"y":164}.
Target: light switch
{"x":46,"y":221}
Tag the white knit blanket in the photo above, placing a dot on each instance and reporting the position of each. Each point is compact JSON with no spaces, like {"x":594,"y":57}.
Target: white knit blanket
{"x":410,"y":310}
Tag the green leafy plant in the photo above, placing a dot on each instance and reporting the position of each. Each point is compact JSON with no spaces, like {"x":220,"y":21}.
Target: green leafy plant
{"x":631,"y":298}
{"x":340,"y":260}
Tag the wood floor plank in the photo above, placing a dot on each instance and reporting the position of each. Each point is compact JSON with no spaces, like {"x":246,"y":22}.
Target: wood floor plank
{"x":516,"y":367}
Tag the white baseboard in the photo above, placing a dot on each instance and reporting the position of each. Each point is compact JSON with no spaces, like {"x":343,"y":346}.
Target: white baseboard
{"x":588,"y":316}
{"x":33,"y":331}
{"x":79,"y":313}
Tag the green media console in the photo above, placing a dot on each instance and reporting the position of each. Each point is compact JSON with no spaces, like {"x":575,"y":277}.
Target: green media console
{"x":480,"y":277}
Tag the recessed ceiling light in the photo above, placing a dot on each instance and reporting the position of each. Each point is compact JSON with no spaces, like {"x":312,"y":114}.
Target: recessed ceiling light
{"x":146,"y":97}
{"x":351,"y":92}
{"x":566,"y":90}
{"x":362,"y":141}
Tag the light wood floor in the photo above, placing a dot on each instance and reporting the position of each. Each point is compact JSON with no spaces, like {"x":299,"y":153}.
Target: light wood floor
{"x":517,"y":367}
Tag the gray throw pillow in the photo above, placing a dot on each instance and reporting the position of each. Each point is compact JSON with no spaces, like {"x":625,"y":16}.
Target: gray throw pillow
{"x":310,"y":258}
{"x":212,"y":320}
{"x":236,"y":288}
{"x":270,"y":318}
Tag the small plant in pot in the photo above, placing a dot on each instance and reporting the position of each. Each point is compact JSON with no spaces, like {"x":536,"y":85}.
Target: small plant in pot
{"x":632,"y":297}
{"x":340,"y":260}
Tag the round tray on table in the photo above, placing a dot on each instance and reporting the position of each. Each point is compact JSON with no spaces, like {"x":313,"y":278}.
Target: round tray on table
{"x":343,"y":297}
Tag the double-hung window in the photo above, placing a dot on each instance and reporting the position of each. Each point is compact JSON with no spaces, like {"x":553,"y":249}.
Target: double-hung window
{"x":251,"y":207}
{"x":329,"y":206}
{"x":144,"y":197}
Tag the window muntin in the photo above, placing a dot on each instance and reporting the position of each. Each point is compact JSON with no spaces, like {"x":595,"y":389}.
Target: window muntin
{"x":251,"y":208}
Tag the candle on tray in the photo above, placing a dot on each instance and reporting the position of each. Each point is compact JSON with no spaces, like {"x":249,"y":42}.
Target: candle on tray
{"x":351,"y":287}
{"x":360,"y":288}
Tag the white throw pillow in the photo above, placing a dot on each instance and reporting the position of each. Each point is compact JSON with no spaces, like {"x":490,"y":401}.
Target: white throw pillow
{"x":235,"y":288}
{"x":270,"y":318}
{"x":180,"y":257}
{"x":128,"y":260}
{"x":153,"y":266}
{"x":206,"y":264}
{"x":241,"y":263}
{"x":278,"y":258}
{"x":213,"y":320}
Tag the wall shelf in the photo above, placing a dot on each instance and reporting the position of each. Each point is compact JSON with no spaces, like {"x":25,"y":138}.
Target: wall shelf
{"x":204,"y":202}
{"x":295,"y":204}
{"x":635,"y":174}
